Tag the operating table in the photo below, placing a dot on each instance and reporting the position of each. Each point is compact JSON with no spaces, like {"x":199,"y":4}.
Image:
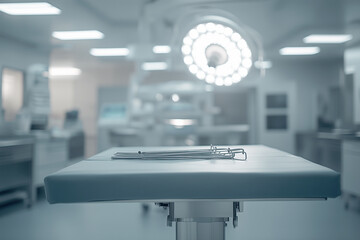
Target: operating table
{"x":201,"y":195}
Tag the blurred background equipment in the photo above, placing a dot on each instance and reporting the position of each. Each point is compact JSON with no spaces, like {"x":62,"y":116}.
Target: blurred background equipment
{"x":30,"y":148}
{"x":79,"y":77}
{"x":38,"y":96}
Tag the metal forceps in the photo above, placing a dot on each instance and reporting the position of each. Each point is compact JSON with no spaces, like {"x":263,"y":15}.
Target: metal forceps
{"x":212,"y":153}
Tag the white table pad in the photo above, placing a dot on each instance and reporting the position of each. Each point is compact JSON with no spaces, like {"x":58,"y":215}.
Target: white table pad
{"x":267,"y":174}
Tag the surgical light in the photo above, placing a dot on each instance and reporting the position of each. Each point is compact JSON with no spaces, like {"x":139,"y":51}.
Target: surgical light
{"x":154,"y":66}
{"x":328,"y":38}
{"x":299,"y":50}
{"x":37,"y":8}
{"x":103,"y":52}
{"x":161,"y":49}
{"x":216,"y":53}
{"x":64,"y":71}
{"x":78,"y":35}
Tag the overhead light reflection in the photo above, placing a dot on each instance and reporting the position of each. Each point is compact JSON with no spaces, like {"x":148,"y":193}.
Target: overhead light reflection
{"x":154,"y":66}
{"x":160,"y":49}
{"x":299,"y":50}
{"x":64,"y":71}
{"x":105,"y":52}
{"x":35,"y":8}
{"x":78,"y":35}
{"x":181,"y":122}
{"x":328,"y":38}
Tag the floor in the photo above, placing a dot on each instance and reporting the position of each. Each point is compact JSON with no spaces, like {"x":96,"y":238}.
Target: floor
{"x":294,"y":220}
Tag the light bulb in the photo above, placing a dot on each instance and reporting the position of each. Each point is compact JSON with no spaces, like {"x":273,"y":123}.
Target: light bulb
{"x":219,"y":81}
{"x":247,"y":63}
{"x":194,"y":33}
{"x":236,"y":77}
{"x":243,"y":72}
{"x":188,"y":60}
{"x":186,"y":50}
{"x":228,"y":31}
{"x":210,"y":79}
{"x":187,"y":40}
{"x":193,"y":69}
{"x":210,"y":27}
{"x":200,"y":75}
{"x":242,"y":44}
{"x":235,"y":37}
{"x":246,"y":53}
{"x":228,"y":81}
{"x":219,"y":28}
{"x":201,"y":28}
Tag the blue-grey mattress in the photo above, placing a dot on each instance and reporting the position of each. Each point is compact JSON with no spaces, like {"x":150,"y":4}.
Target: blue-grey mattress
{"x":267,"y":174}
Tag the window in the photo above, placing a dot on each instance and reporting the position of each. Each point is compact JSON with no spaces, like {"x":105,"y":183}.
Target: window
{"x":276,"y":101}
{"x":276,"y":122}
{"x":276,"y":117}
{"x":12,"y":89}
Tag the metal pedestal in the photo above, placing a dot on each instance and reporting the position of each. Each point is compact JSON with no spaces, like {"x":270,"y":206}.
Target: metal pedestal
{"x":200,"y":230}
{"x":201,"y":220}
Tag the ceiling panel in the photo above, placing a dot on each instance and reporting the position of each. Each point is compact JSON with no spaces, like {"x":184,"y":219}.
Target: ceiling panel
{"x":115,"y":11}
{"x":279,"y":22}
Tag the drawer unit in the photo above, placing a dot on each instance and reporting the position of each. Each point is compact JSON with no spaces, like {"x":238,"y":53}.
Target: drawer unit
{"x":16,"y":169}
{"x":51,"y":151}
{"x":351,"y":167}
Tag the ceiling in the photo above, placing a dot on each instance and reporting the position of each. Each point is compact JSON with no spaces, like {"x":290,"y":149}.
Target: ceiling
{"x":280,"y":23}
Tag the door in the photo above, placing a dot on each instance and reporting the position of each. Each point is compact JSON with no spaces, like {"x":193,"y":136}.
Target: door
{"x":277,"y":114}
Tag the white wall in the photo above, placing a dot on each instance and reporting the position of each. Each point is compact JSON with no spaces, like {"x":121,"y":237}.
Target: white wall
{"x":308,"y":76}
{"x":304,"y":77}
{"x":81,"y":92}
{"x":62,"y":92}
{"x":309,"y":79}
{"x":352,"y":65}
{"x":21,"y":55}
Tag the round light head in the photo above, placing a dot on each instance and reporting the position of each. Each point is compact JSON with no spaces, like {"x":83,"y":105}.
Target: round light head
{"x":217,"y":54}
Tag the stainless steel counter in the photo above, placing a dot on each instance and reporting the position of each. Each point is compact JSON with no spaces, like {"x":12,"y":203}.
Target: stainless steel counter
{"x":16,"y":168}
{"x":337,"y":136}
{"x":16,"y":140}
{"x":324,"y":148}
